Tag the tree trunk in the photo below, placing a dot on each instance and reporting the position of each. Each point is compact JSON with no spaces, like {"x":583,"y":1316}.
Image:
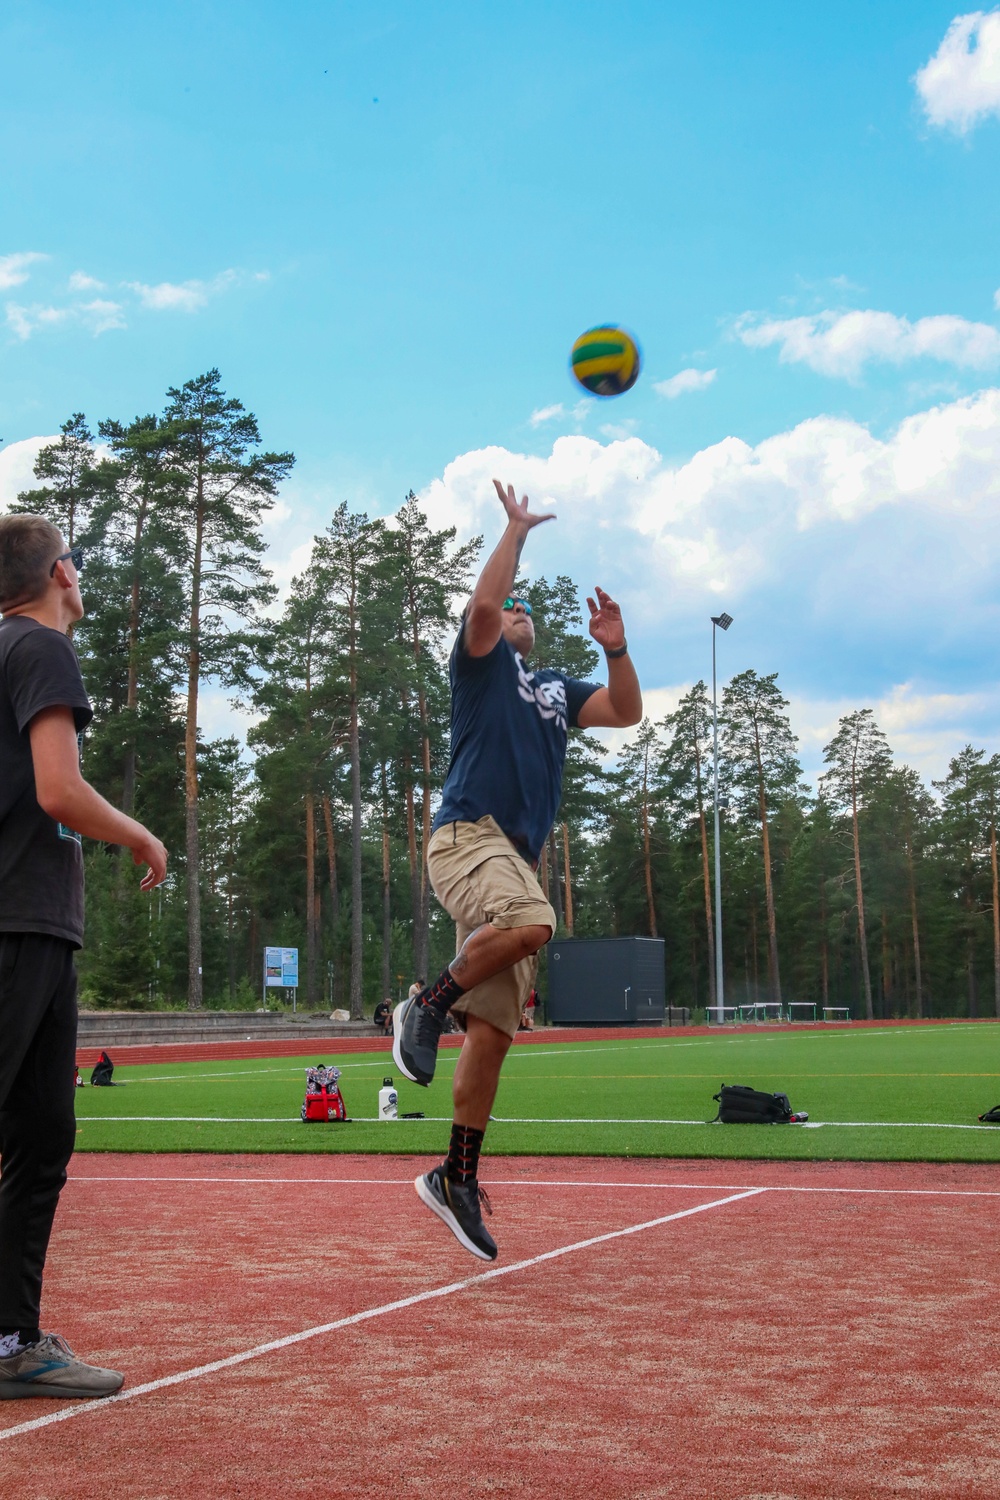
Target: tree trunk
{"x":415,"y":873}
{"x":647,"y":867}
{"x":386,"y":903}
{"x":973,"y":992}
{"x":886,"y":969}
{"x":772,"y":925}
{"x":555,"y":892}
{"x":195,"y":991}
{"x":753,"y":942}
{"x":357,"y":925}
{"x":918,"y":978}
{"x":311,"y":934}
{"x":569,"y":883}
{"x":824,"y":952}
{"x":423,"y":926}
{"x":706,"y":876}
{"x":331,"y":859}
{"x":862,"y":936}
{"x":132,"y":691}
{"x":996,"y":917}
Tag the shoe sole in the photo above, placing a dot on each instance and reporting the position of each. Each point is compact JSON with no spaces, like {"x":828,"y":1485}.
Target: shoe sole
{"x":16,"y":1390}
{"x":446,"y":1216}
{"x":397,"y":1041}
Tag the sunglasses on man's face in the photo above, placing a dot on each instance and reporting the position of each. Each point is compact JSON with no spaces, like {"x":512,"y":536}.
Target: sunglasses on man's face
{"x":75,"y":557}
{"x":509,"y":604}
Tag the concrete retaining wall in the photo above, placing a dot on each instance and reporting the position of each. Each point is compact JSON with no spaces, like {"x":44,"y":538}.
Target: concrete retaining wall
{"x":106,"y":1028}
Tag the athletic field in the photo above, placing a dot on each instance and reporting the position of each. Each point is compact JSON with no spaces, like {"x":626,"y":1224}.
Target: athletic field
{"x":892,"y":1093}
{"x":655,"y":1328}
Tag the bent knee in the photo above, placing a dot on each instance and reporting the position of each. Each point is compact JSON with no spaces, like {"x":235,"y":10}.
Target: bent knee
{"x":533,"y":938}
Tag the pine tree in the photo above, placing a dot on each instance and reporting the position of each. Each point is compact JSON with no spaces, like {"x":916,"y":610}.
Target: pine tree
{"x":66,"y":468}
{"x":684,"y":770}
{"x":762,"y":769}
{"x":859,"y":759}
{"x":347,"y":559}
{"x":228,"y":488}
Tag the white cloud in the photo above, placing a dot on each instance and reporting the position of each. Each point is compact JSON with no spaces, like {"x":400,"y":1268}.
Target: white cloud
{"x":190,"y":296}
{"x":23,"y":321}
{"x":684,"y":381}
{"x":546,"y":414}
{"x":825,"y":522}
{"x":841,"y":344}
{"x":101,"y":315}
{"x":81,"y":282}
{"x":98,"y":316}
{"x":960,"y":84}
{"x":17,"y":464}
{"x":13,"y":268}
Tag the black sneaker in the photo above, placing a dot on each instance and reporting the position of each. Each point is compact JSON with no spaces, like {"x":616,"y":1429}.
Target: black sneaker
{"x":458,"y":1204}
{"x":416,"y":1031}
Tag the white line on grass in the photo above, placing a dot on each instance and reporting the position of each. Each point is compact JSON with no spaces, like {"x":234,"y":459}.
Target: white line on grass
{"x":548,"y":1182}
{"x":362,"y":1317}
{"x":513,"y":1120}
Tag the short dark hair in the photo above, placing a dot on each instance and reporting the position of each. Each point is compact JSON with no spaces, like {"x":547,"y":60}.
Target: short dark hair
{"x":27,"y":546}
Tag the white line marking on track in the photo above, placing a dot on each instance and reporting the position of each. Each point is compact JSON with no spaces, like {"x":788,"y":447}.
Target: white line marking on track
{"x":362,"y":1317}
{"x":547,"y":1182}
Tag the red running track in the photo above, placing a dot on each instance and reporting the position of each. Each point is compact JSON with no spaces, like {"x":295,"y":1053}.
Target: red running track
{"x":699,"y":1330}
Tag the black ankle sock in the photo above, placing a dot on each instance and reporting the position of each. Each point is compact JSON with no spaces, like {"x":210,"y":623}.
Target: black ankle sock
{"x":463,"y":1153}
{"x":443,"y":993}
{"x":29,"y":1335}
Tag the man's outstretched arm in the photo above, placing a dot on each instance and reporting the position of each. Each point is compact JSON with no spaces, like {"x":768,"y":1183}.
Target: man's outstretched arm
{"x":482,"y":617}
{"x":619,"y":705}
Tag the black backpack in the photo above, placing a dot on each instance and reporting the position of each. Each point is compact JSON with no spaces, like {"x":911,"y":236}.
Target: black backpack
{"x":992,"y":1116}
{"x":739,"y":1105}
{"x":103,"y":1069}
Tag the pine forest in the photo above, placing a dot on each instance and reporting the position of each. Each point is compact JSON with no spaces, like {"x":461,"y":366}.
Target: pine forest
{"x":877,"y":892}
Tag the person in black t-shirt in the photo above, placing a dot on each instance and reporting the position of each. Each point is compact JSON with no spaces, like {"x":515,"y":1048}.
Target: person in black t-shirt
{"x":46,"y":808}
{"x":509,"y":728}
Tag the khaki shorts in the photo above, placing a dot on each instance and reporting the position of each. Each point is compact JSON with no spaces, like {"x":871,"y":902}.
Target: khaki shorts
{"x":478,"y":876}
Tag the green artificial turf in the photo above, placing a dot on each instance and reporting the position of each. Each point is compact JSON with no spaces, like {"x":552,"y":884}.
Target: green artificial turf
{"x":601,"y":1098}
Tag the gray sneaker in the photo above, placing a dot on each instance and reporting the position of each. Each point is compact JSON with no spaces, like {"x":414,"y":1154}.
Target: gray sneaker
{"x":50,"y":1368}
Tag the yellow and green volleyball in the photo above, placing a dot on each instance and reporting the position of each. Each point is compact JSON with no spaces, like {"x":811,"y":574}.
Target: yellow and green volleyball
{"x":605,"y":361}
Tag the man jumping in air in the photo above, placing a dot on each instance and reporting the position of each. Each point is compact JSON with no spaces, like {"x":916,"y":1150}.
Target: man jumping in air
{"x":509,"y":729}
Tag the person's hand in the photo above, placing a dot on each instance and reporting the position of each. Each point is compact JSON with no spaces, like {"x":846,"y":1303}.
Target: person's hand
{"x":517,"y":512}
{"x":149,"y":851}
{"x":606,"y":624}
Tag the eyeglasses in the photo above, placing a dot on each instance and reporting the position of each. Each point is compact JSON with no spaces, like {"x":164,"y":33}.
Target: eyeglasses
{"x":509,"y":604}
{"x":75,"y":556}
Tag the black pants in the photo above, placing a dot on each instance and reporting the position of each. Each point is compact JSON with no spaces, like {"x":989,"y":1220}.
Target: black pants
{"x":37,"y":1110}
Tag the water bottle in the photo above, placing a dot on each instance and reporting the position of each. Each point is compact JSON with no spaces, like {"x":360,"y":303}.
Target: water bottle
{"x":388,"y":1101}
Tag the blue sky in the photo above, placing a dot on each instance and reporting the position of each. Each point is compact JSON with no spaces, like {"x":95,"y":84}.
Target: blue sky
{"x":386,"y":223}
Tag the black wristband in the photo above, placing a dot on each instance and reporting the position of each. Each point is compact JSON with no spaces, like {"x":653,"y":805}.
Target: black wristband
{"x":614,"y":655}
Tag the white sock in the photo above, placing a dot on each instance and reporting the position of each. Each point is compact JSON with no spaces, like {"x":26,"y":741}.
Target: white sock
{"x":10,"y":1344}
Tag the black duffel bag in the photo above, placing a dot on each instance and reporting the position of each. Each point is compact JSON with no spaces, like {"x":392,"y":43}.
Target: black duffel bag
{"x":740,"y":1105}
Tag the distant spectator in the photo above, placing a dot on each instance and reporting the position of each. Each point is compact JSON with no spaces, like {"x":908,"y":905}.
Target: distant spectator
{"x":383,"y":1016}
{"x":416,"y":987}
{"x":527,"y":1021}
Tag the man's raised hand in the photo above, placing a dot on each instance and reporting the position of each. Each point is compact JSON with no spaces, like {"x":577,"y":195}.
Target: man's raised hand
{"x":517,"y":512}
{"x":606,"y":625}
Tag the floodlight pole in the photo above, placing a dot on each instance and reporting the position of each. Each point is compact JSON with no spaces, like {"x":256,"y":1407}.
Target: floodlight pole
{"x":723,"y":622}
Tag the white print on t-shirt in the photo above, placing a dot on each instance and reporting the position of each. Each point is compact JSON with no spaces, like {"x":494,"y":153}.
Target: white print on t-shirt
{"x":548,"y":697}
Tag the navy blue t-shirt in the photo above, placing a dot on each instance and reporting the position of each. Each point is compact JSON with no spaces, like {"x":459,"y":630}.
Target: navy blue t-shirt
{"x":509,"y":727}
